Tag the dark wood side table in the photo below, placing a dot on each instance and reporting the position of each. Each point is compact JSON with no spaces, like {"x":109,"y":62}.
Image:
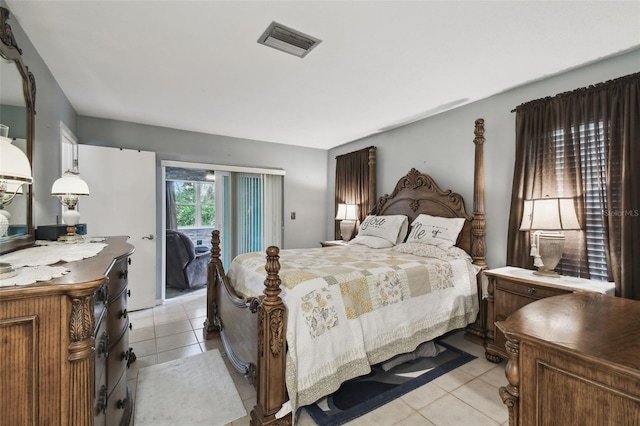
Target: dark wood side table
{"x":510,"y":288}
{"x":573,"y":360}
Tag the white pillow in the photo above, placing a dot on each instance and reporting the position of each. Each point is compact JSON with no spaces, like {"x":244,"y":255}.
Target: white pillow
{"x":429,"y":250}
{"x":404,"y":228}
{"x":392,"y":228}
{"x":438,"y":231}
{"x":372,"y":242}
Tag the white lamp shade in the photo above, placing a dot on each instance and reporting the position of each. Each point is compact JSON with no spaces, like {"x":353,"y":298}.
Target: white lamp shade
{"x":549,"y":214}
{"x":14,"y":164}
{"x":347,"y":212}
{"x":69,"y":184}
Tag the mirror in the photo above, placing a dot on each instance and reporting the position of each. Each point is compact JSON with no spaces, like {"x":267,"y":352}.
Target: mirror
{"x":17,"y":98}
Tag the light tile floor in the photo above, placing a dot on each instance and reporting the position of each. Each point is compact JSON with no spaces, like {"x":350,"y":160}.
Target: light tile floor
{"x":466,"y":396}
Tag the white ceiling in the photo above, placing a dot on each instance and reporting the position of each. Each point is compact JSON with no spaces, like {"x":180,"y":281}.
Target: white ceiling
{"x":196,"y":65}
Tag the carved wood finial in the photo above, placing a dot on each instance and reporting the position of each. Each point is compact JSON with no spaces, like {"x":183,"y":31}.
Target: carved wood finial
{"x":215,"y":246}
{"x":6,"y":34}
{"x":479,"y":131}
{"x":272,"y":282}
{"x":215,"y":272}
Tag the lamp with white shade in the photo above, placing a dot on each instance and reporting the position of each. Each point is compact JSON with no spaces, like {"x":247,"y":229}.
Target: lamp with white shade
{"x":347,"y":215}
{"x":547,"y":218}
{"x":15,"y":171}
{"x":68,"y":189}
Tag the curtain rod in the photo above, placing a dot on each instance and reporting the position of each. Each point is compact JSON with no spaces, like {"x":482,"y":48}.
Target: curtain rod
{"x":358,"y":150}
{"x":582,"y":89}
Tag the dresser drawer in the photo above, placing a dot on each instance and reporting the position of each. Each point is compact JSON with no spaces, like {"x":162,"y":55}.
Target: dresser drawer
{"x":510,"y":296}
{"x":117,"y":317}
{"x":100,"y":366}
{"x":117,"y":363}
{"x":100,"y":304}
{"x":532,"y":291}
{"x":118,"y":278}
{"x":120,"y":404}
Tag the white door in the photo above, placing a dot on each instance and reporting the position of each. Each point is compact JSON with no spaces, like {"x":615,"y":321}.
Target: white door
{"x":122,"y":201}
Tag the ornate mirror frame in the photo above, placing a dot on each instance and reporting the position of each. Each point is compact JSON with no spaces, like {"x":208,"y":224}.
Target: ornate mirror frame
{"x":10,"y":51}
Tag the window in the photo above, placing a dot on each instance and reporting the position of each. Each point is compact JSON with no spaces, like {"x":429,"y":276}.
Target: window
{"x":584,"y":143}
{"x":195,"y":204}
{"x":591,"y":163}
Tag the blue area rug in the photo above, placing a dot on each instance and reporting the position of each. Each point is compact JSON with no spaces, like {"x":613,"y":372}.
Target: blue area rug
{"x":364,"y":394}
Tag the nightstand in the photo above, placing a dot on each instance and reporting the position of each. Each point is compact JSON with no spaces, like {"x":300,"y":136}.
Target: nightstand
{"x":510,"y":288}
{"x":333,"y":243}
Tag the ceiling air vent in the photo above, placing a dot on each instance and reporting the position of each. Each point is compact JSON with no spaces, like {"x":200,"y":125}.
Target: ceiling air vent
{"x":288,"y":40}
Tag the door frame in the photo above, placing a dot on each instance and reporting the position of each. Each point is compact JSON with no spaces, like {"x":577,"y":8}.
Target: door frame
{"x":217,"y":168}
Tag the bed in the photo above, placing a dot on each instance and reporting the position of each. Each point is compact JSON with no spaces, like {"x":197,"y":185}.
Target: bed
{"x":307,"y":295}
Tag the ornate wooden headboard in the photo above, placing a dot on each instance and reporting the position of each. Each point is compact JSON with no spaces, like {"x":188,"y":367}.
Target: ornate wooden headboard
{"x":417,"y":193}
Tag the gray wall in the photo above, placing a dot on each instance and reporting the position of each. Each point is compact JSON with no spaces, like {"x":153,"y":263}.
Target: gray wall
{"x":52,"y":106}
{"x":305,"y":190}
{"x":442,"y":146}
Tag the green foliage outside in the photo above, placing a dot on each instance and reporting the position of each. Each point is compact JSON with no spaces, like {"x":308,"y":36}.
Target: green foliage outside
{"x":186,"y":207}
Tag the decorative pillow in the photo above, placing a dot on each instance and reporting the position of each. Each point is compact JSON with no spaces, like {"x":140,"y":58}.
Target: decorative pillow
{"x":372,"y":242}
{"x":438,"y":231}
{"x":428,"y":250}
{"x":392,"y":228}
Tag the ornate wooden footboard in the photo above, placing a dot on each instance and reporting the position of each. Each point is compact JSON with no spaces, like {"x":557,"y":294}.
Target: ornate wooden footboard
{"x":253,"y":329}
{"x":252,"y":332}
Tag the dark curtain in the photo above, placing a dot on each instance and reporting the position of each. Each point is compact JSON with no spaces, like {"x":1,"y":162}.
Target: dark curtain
{"x":353,"y":183}
{"x":552,"y":135}
{"x":172,"y":220}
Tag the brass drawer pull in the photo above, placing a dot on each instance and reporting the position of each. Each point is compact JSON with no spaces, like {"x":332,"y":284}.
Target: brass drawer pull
{"x":531,"y":291}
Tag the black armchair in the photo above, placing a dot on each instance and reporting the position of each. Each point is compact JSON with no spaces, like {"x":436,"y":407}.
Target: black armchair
{"x":185,"y":269}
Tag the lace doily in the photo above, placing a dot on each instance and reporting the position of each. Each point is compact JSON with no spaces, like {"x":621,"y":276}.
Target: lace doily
{"x":51,"y":252}
{"x":32,"y":274}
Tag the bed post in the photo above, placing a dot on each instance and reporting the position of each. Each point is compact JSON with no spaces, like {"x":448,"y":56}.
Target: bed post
{"x":476,"y":332}
{"x":372,"y":178}
{"x":211,"y":328}
{"x":478,"y":225}
{"x":272,"y":325}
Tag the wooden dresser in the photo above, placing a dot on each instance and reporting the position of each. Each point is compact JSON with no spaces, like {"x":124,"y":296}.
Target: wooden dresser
{"x":64,"y":345}
{"x":574,"y":360}
{"x":510,"y":288}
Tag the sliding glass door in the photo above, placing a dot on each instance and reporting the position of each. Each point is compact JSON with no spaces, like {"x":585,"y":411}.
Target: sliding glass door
{"x":250,"y":212}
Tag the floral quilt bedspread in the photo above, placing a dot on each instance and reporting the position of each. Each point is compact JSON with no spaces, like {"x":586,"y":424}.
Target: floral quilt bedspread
{"x":353,"y":306}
